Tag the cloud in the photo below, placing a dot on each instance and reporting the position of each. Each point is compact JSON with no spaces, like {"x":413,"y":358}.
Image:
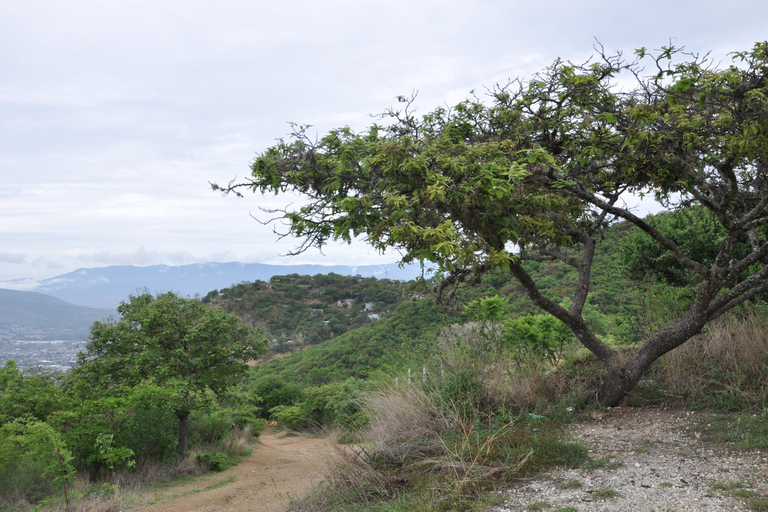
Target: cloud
{"x":13,"y":257}
{"x":114,"y":117}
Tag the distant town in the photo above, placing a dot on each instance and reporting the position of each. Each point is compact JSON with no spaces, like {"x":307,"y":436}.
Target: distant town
{"x":33,"y":347}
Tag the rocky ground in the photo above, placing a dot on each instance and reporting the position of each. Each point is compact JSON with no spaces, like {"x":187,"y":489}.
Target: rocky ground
{"x":647,"y":460}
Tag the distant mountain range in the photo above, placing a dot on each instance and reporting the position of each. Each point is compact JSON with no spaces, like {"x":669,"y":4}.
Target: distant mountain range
{"x":31,"y":315}
{"x":106,"y":287}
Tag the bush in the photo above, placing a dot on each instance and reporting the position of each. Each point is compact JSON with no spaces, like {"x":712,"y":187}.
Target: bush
{"x":218,"y":461}
{"x":273,"y":392}
{"x":346,"y":404}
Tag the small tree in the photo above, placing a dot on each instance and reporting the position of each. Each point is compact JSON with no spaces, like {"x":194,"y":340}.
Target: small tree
{"x":542,"y":170}
{"x":177,"y":346}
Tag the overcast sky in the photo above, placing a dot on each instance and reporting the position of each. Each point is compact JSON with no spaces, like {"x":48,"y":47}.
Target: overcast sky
{"x":115,"y":115}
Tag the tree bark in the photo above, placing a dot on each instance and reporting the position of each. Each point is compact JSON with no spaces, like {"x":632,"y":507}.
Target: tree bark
{"x":621,"y":379}
{"x":183,"y":416}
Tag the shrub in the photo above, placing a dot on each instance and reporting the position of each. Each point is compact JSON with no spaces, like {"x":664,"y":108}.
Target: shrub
{"x":346,"y":407}
{"x":213,"y":461}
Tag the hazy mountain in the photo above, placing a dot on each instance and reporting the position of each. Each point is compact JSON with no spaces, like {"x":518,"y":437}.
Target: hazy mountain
{"x":106,"y":287}
{"x":32,"y":315}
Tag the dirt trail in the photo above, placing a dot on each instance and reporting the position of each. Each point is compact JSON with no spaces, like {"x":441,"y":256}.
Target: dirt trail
{"x":279,"y":469}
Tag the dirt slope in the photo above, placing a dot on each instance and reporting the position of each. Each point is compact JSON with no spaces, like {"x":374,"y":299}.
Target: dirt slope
{"x":279,"y":469}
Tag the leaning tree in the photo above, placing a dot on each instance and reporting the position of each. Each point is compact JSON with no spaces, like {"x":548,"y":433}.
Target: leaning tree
{"x":540,"y":169}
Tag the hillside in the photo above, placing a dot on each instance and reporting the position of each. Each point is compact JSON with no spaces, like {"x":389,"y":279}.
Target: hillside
{"x":301,"y":310}
{"x":44,"y":317}
{"x":391,"y":341}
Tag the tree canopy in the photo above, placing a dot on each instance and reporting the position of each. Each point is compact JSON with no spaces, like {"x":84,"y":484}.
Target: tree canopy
{"x":178,"y":348}
{"x":541,"y":168}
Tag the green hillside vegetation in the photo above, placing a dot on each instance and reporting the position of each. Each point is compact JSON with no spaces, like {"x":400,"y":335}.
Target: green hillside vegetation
{"x":298,"y":310}
{"x":389,"y":342}
{"x":39,"y":311}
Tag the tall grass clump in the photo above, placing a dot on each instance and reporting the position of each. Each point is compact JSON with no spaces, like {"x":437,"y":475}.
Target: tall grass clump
{"x":725,"y":368}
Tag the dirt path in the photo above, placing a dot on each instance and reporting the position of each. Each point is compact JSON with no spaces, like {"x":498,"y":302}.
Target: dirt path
{"x":279,"y":469}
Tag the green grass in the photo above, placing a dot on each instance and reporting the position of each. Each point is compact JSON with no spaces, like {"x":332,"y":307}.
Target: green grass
{"x":758,"y":504}
{"x":745,"y":430}
{"x":571,"y":484}
{"x":607,"y":462}
{"x":741,"y":490}
{"x":605,"y":494}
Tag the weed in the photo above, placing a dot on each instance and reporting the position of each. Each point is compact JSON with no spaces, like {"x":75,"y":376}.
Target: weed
{"x":539,"y":505}
{"x":571,"y":484}
{"x":758,"y":504}
{"x":608,"y":462}
{"x":230,"y":479}
{"x":605,"y":494}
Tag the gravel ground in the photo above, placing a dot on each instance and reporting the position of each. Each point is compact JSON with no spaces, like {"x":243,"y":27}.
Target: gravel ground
{"x":647,"y":460}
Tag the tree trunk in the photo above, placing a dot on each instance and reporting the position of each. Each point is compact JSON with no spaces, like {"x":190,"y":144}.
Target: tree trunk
{"x":183,"y":431}
{"x":621,"y":379}
{"x":618,"y":382}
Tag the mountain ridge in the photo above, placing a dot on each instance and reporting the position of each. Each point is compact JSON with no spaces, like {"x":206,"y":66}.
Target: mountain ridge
{"x":45,"y":316}
{"x":106,"y":287}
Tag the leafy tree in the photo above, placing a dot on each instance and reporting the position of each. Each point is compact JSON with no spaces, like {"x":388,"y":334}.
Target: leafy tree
{"x":541,"y":171}
{"x":34,"y":396}
{"x":179,"y":348}
{"x":694,"y":229}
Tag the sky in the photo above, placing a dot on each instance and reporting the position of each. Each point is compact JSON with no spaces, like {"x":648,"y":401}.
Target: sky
{"x":115,"y":116}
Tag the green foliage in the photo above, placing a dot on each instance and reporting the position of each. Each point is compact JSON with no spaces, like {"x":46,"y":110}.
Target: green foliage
{"x":216,"y":462}
{"x":35,"y":396}
{"x":346,"y":404}
{"x":291,"y":416}
{"x":151,"y":433}
{"x":537,"y":174}
{"x":297,"y":310}
{"x":275,"y":391}
{"x":182,"y":350}
{"x":694,"y":229}
{"x":539,"y":336}
{"x":111,"y":455}
{"x":34,"y":461}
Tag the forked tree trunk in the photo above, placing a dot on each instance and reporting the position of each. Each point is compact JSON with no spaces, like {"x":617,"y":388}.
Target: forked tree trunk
{"x":621,"y":379}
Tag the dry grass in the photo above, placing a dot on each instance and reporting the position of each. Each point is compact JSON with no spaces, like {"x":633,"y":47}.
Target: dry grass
{"x":503,"y":379}
{"x":725,"y":368}
{"x":238,"y":442}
